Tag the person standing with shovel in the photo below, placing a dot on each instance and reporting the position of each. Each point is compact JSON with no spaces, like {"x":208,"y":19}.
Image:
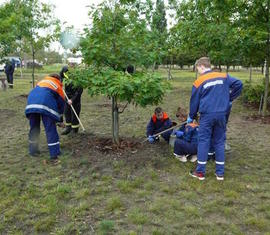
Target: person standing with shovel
{"x":73,"y":104}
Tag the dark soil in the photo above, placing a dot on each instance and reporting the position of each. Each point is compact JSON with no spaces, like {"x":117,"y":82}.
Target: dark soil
{"x":105,"y":145}
{"x":109,"y":105}
{"x":6,"y":113}
{"x":257,"y":118}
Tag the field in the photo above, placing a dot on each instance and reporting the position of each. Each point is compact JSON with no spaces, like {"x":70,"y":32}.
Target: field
{"x":137,"y":190}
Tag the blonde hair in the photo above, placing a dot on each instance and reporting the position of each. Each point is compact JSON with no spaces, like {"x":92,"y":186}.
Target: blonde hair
{"x":204,"y":61}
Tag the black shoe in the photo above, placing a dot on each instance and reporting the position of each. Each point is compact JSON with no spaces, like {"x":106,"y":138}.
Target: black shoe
{"x":75,"y":130}
{"x":67,"y":130}
{"x":52,"y":161}
{"x":35,"y":154}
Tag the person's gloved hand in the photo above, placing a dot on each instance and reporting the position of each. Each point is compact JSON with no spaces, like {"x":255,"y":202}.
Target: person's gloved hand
{"x":179,"y":134}
{"x":151,"y":139}
{"x":61,"y":124}
{"x":189,"y":120}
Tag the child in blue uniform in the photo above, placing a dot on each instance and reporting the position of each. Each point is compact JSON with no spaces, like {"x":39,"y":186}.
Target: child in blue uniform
{"x":211,"y":95}
{"x":46,"y":101}
{"x":187,"y":142}
{"x":159,"y":122}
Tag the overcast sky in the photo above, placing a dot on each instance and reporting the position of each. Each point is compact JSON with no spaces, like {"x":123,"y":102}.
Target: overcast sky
{"x":74,"y":12}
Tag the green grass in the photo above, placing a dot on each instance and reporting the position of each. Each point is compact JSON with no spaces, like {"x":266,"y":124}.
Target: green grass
{"x":146,"y":192}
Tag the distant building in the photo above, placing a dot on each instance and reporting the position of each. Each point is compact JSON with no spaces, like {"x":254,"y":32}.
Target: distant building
{"x":74,"y":60}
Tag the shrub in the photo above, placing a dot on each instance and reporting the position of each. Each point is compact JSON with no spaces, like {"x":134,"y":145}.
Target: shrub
{"x":252,"y":93}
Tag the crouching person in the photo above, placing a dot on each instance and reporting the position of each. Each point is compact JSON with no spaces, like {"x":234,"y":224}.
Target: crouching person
{"x":46,"y":101}
{"x":186,"y":144}
{"x":159,"y":122}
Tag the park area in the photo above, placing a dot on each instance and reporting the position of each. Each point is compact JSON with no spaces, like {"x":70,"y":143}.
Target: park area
{"x":130,"y":57}
{"x":134,"y":188}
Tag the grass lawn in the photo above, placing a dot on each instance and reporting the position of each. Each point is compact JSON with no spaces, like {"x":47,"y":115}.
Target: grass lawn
{"x":141,"y":191}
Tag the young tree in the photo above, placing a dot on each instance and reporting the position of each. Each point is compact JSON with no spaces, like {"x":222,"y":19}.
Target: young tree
{"x":255,"y":28}
{"x":7,"y":29}
{"x":36,"y":27}
{"x":118,"y":38}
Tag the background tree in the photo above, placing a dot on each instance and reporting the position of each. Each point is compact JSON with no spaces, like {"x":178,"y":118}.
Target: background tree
{"x":255,"y":28}
{"x":7,"y":30}
{"x":36,"y":28}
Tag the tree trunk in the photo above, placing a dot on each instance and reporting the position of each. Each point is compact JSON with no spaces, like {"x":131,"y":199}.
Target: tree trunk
{"x":227,"y":68}
{"x":21,"y":70}
{"x":33,"y":67}
{"x":262,"y":69}
{"x":250,"y":72}
{"x":266,"y":88}
{"x":169,"y":73}
{"x":115,"y":121}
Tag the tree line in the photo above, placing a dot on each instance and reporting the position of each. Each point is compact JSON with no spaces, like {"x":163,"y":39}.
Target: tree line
{"x":136,"y":33}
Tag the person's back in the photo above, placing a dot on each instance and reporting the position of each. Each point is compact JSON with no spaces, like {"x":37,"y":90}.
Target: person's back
{"x":46,"y":98}
{"x":211,"y":95}
{"x":213,"y":88}
{"x":46,"y":102}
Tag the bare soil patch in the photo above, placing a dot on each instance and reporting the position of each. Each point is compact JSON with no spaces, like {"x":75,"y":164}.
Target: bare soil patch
{"x":105,"y":145}
{"x":21,"y":98}
{"x":258,"y":119}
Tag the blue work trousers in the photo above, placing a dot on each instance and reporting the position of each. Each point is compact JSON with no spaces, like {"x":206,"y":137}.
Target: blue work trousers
{"x":182,"y":147}
{"x":51,"y":134}
{"x":212,"y":126}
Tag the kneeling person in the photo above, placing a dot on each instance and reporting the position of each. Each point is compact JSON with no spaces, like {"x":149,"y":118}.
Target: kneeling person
{"x":186,"y":143}
{"x":159,"y":122}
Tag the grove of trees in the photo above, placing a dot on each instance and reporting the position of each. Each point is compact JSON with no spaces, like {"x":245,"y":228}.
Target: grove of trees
{"x":137,"y":33}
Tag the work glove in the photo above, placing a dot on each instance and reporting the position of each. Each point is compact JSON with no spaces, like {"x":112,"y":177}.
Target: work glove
{"x":189,"y":120}
{"x":151,"y":139}
{"x":179,"y":134}
{"x":61,"y":124}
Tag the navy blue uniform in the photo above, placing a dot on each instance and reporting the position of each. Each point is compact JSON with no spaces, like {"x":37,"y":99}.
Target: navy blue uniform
{"x":211,"y":95}
{"x":155,"y":126}
{"x":46,"y":102}
{"x":9,"y":70}
{"x":74,"y":94}
{"x":188,"y":143}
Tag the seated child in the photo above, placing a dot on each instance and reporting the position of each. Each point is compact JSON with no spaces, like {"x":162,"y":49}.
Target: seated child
{"x":159,"y":122}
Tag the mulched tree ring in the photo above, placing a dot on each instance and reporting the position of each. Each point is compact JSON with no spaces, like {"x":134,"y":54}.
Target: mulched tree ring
{"x":105,"y":145}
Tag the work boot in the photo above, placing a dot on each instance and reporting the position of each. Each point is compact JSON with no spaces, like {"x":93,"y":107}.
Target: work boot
{"x":193,"y":158}
{"x":52,"y":161}
{"x":198,"y":175}
{"x":227,"y":147}
{"x":35,"y":154}
{"x":181,"y":158}
{"x":67,"y":130}
{"x":75,"y":130}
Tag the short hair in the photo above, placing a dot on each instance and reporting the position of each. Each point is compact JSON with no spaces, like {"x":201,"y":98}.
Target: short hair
{"x":204,"y":61}
{"x":158,"y":110}
{"x":54,"y":75}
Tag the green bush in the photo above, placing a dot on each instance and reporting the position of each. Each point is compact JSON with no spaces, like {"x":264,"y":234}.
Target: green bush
{"x":252,"y":93}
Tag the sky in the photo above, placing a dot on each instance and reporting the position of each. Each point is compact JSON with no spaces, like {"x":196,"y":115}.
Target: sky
{"x":74,"y":12}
